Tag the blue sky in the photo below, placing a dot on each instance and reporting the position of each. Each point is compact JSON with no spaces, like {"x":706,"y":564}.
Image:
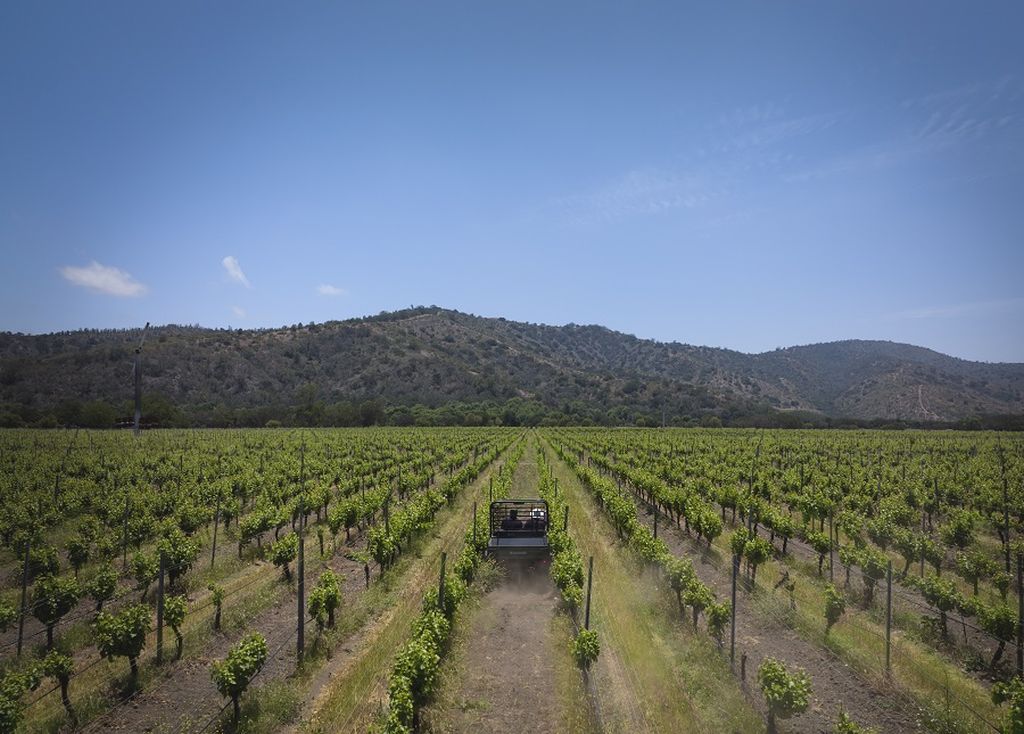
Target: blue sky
{"x":748,"y":175}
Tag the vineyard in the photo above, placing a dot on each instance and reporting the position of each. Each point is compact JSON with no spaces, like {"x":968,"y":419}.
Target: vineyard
{"x":338,"y":580}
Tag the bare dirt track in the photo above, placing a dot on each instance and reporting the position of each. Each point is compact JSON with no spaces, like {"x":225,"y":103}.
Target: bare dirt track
{"x":506,"y":679}
{"x":510,"y":668}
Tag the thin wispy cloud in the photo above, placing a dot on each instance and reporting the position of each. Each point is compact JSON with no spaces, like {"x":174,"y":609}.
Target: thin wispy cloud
{"x":769,"y":131}
{"x":234,"y":270}
{"x":238,"y":311}
{"x":330,"y":290}
{"x":918,"y":127}
{"x":1003,"y":305}
{"x":864,"y":160}
{"x":638,"y":192}
{"x":104,"y":279}
{"x":751,"y":115}
{"x":1004,"y":87}
{"x":749,"y":141}
{"x":962,"y":123}
{"x":933,"y":128}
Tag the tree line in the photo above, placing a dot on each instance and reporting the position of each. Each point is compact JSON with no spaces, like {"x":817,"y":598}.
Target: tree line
{"x":308,"y":411}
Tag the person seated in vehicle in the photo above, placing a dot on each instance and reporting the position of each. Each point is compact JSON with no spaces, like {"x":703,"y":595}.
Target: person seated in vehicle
{"x":512,"y":522}
{"x":535,"y":523}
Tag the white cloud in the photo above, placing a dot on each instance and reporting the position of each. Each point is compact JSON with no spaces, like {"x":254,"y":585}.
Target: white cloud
{"x":238,"y":311}
{"x":330,"y":290}
{"x":104,"y":279}
{"x":234,"y":270}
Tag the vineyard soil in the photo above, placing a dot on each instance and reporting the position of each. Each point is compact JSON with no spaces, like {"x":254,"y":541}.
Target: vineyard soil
{"x":506,"y":670}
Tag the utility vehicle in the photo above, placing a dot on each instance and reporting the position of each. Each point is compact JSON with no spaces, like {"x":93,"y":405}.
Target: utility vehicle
{"x":519,"y":531}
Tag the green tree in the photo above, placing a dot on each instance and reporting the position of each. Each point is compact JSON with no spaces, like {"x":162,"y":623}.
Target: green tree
{"x":284,"y":552}
{"x":60,"y":667}
{"x":217,"y":595}
{"x":103,"y":585}
{"x":835,"y":605}
{"x":8,"y":615}
{"x":718,"y":616}
{"x":1012,"y":693}
{"x":958,"y":531}
{"x":179,"y":552}
{"x":324,"y":599}
{"x":786,"y":694}
{"x":738,"y":541}
{"x":680,"y":573}
{"x":79,"y":551}
{"x":124,"y":634}
{"x":873,"y":567}
{"x":12,"y":687}
{"x":345,"y":514}
{"x":1000,"y":622}
{"x":757,"y":551}
{"x":908,"y":546}
{"x":942,"y":595}
{"x":699,"y":597}
{"x":821,"y":544}
{"x":52,"y":598}
{"x":233,"y":674}
{"x":145,"y":568}
{"x":973,"y":566}
{"x":586,"y":648}
{"x":175,"y":608}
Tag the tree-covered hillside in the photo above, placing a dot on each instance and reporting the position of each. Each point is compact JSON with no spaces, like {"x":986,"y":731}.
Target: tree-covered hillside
{"x":432,"y":365}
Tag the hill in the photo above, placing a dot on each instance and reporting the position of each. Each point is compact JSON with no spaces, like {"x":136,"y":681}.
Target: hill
{"x":427,"y":359}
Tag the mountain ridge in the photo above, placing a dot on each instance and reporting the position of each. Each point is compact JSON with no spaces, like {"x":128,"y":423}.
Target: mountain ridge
{"x":432,"y":356}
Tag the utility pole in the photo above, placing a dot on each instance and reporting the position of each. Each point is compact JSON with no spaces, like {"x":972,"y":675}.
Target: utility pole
{"x":137,"y":373}
{"x":300,"y":642}
{"x":888,"y":618}
{"x":24,"y":598}
{"x":732,"y":612}
{"x":590,"y":582}
{"x":160,"y":611}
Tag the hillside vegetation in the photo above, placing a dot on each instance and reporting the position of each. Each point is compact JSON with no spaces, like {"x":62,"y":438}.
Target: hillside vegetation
{"x":435,"y":365}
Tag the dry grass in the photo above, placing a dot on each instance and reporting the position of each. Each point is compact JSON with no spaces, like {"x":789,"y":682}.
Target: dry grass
{"x":653,"y":673}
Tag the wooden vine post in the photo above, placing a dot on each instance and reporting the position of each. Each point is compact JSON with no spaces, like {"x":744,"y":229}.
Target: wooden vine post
{"x":888,"y":618}
{"x":1006,"y":522}
{"x":1020,"y":614}
{"x":732,"y":612}
{"x":160,"y":611}
{"x":590,"y":582}
{"x":216,"y":522}
{"x":831,"y":545}
{"x":300,"y":642}
{"x":440,"y":583}
{"x":127,"y":510}
{"x":24,"y":596}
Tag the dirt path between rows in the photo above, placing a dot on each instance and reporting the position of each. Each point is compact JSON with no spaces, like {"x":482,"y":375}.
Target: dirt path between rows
{"x":379,"y":638}
{"x":761,"y":631}
{"x":506,"y":676}
{"x":188,"y":698}
{"x":653,"y":674}
{"x":503,"y":675}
